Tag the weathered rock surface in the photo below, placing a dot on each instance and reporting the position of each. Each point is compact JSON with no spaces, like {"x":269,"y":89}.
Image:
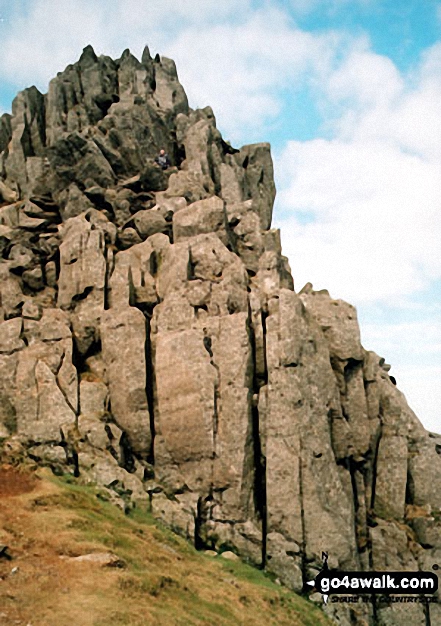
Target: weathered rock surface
{"x":123,"y":342}
{"x":151,"y":340}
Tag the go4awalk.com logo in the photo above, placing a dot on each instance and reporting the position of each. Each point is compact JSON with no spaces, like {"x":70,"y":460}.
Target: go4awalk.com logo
{"x":329,"y":582}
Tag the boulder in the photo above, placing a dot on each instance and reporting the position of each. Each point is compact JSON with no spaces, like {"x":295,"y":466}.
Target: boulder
{"x":149,"y":223}
{"x":153,"y":178}
{"x":6,"y":194}
{"x":10,"y":332}
{"x":204,"y":216}
{"x":128,"y":238}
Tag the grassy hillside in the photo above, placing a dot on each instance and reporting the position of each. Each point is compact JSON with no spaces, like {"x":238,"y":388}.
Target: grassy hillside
{"x":156,"y":579}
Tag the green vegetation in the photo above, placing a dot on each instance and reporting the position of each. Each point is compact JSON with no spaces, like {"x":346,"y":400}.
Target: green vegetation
{"x":159,"y":578}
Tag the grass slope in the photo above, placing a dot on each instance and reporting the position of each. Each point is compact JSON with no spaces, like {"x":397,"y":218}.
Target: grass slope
{"x":164,"y":581}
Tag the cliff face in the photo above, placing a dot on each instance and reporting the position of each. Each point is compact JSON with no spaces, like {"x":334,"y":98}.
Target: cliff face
{"x":153,"y":342}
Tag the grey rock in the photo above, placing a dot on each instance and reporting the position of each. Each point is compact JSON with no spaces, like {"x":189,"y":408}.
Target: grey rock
{"x":149,"y":223}
{"x":93,"y":398}
{"x":51,"y":274}
{"x":132,"y":281}
{"x":102,"y":559}
{"x":128,"y":238}
{"x":259,"y":179}
{"x":74,"y":201}
{"x":247,"y":236}
{"x":169,"y":94}
{"x":82,"y":276}
{"x":123,"y":336}
{"x":6,"y":194}
{"x":204,"y":216}
{"x":33,"y":279}
{"x":12,"y":296}
{"x":172,"y":205}
{"x":391,"y":477}
{"x":6,"y":237}
{"x":77,"y":159}
{"x":153,"y":178}
{"x":10,"y":332}
{"x":187,"y":184}
{"x":338,"y":321}
{"x":31,"y":310}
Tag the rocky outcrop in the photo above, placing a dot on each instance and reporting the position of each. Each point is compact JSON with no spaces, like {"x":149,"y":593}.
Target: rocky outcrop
{"x":151,"y":340}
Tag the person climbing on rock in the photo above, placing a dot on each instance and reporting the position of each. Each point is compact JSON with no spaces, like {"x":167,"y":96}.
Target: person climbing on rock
{"x":162,"y":160}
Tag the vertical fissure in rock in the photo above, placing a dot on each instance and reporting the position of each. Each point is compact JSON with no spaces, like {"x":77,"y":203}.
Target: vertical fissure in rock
{"x":260,"y":502}
{"x":264,"y":380}
{"x":216,"y":410}
{"x":426,"y":609}
{"x":203,"y":512}
{"x":110,"y":261}
{"x":410,"y":489}
{"x":359,"y":509}
{"x":26,"y":141}
{"x":216,"y":389}
{"x":56,"y":258}
{"x":65,"y":396}
{"x":79,"y":363}
{"x":351,"y":469}
{"x":70,"y":447}
{"x":371,"y":482}
{"x":80,"y":83}
{"x":150,"y":383}
{"x":375,"y":446}
{"x":351,"y":367}
{"x":153,"y":263}
{"x":260,"y":491}
{"x":126,"y":454}
{"x":198,"y":543}
{"x":175,"y":149}
{"x":191,"y":267}
{"x":304,"y":563}
{"x":40,"y":116}
{"x":231,"y":245}
{"x":213,"y":175}
{"x":75,"y":462}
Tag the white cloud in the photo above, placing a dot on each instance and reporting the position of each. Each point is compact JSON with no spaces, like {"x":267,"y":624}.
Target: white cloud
{"x":328,"y":6}
{"x":367,"y":78}
{"x":378,"y":221}
{"x":239,"y":69}
{"x":45,"y":35}
{"x":423,"y":393}
{"x":423,"y":338}
{"x":374,"y":188}
{"x":371,"y":100}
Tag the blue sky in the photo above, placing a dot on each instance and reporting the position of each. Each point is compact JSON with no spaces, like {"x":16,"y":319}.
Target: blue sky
{"x":348,"y":92}
{"x":399,"y":29}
